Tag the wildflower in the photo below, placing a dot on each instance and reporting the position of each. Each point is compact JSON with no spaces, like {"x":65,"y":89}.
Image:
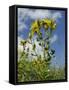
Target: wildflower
{"x":53,"y":25}
{"x":46,"y":23}
{"x":35,"y":27}
{"x":49,"y":23}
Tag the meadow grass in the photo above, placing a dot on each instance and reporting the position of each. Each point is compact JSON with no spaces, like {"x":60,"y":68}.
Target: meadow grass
{"x":38,"y":70}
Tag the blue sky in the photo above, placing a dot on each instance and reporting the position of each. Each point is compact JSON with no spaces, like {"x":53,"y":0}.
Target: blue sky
{"x":27,"y":16}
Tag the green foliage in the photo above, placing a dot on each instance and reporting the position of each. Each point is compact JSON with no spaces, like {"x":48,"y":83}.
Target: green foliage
{"x":34,"y":46}
{"x":37,"y":70}
{"x":23,"y":42}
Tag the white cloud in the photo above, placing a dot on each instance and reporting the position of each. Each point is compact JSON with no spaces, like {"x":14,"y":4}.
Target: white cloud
{"x":22,"y":26}
{"x":20,"y":48}
{"x":39,"y":49}
{"x":33,"y":14}
{"x":53,"y":39}
{"x":39,"y":14}
{"x":56,"y":15}
{"x":21,"y":19}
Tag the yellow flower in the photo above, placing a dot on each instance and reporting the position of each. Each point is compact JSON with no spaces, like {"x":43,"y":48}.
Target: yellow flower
{"x":35,"y":27}
{"x":49,"y":23}
{"x":46,"y":23}
{"x":37,"y":24}
{"x":53,"y":25}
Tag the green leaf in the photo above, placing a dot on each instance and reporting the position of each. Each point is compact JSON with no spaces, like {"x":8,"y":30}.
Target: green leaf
{"x":34,"y":46}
